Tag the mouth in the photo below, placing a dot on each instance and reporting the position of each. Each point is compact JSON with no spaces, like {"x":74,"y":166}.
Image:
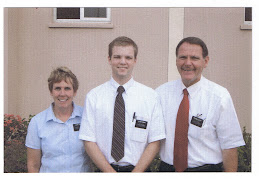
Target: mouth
{"x":187,"y":69}
{"x":63,"y":100}
{"x":122,"y":67}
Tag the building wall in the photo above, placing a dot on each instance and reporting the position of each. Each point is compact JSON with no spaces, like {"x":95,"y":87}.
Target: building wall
{"x":34,"y":46}
{"x":34,"y":49}
{"x":230,"y":51}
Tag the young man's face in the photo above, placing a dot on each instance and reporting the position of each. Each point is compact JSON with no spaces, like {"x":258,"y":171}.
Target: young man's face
{"x":122,"y":63}
{"x":190,"y":63}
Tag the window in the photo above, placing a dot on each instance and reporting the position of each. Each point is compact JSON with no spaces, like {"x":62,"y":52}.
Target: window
{"x":247,"y":25}
{"x":248,"y":15}
{"x":85,"y":14}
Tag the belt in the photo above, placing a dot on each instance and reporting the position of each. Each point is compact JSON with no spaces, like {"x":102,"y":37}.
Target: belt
{"x":165,"y":167}
{"x":127,"y":168}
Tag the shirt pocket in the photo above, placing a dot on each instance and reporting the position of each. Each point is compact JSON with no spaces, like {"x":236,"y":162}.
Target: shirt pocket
{"x":203,"y":133}
{"x":139,"y":129}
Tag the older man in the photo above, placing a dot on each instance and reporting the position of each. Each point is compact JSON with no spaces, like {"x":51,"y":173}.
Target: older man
{"x":202,"y":129}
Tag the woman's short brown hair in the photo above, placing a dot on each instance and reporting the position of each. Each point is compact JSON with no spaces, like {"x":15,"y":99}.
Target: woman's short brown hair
{"x":63,"y":73}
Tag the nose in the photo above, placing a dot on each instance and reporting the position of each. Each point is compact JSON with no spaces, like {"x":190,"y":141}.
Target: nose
{"x":62,"y":92}
{"x":123,"y":60}
{"x":188,"y":61}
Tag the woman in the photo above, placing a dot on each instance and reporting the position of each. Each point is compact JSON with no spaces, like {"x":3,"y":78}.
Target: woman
{"x":52,"y":139}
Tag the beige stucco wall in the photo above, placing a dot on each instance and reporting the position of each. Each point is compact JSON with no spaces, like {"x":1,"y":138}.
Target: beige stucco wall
{"x":230,"y":51}
{"x":33,"y":50}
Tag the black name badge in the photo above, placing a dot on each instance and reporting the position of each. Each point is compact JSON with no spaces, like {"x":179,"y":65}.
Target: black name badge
{"x":141,"y":124}
{"x":76,"y":127}
{"x":197,"y":121}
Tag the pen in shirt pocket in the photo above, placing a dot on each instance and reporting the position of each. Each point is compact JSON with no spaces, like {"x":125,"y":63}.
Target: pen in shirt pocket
{"x":133,"y":116}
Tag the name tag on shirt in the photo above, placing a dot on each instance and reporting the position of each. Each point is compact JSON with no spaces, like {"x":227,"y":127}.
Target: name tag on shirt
{"x":197,"y":121}
{"x":141,"y":124}
{"x":76,"y":127}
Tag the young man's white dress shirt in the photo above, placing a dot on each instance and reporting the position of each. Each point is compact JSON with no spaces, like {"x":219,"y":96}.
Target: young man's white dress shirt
{"x":97,"y":119}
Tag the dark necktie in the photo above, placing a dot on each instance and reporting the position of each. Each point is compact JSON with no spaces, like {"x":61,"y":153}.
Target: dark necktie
{"x":118,"y":126}
{"x":181,"y":135}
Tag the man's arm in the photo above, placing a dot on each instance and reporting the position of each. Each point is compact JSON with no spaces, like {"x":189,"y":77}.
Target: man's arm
{"x":230,"y":160}
{"x":33,"y":160}
{"x":97,"y":157}
{"x":147,"y":156}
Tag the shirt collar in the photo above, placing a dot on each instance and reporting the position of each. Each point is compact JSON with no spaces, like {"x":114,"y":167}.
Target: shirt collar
{"x":193,"y":89}
{"x":51,"y":116}
{"x":126,"y":85}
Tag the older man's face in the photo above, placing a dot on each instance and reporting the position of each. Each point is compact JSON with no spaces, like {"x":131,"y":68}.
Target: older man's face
{"x":190,"y":63}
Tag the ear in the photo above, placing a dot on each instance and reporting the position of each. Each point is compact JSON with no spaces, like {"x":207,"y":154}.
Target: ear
{"x":109,"y":60}
{"x":206,"y":60}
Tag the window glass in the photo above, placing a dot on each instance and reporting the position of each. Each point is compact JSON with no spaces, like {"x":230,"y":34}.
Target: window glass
{"x":248,"y":14}
{"x":68,"y":13}
{"x":95,"y":12}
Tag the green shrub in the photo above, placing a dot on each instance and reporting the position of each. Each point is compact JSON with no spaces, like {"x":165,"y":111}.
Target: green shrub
{"x":244,"y":154}
{"x":15,"y":130}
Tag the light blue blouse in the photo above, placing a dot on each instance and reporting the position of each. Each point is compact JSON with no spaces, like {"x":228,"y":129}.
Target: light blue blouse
{"x":62,"y":150}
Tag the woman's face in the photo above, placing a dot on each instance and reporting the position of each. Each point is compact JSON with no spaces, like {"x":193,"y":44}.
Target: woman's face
{"x":63,"y":94}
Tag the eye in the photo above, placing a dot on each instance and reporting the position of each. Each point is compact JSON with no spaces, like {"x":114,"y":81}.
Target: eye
{"x":67,"y":88}
{"x":182,"y":57}
{"x":129,"y":58}
{"x":116,"y":57}
{"x":57,"y":88}
{"x":195,"y":58}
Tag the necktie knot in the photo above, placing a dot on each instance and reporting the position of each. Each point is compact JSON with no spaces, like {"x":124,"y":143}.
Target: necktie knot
{"x":120,"y":89}
{"x":185,"y":92}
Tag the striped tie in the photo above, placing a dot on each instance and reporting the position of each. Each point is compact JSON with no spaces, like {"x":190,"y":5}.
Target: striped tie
{"x":118,"y":126}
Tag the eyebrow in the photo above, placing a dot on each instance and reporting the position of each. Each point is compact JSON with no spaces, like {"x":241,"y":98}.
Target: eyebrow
{"x":195,"y":56}
{"x":185,"y":56}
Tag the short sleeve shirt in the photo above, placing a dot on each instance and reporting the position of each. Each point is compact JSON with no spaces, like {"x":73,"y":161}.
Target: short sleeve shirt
{"x":62,"y":151}
{"x":220,"y":129}
{"x":97,"y":119}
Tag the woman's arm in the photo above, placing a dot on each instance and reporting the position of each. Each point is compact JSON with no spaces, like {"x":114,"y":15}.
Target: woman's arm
{"x":33,"y":160}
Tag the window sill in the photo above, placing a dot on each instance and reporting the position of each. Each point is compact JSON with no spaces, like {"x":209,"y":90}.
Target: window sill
{"x":81,"y":25}
{"x":246,"y":27}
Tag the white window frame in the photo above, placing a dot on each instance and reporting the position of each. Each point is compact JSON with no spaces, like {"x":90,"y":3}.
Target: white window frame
{"x":83,"y":19}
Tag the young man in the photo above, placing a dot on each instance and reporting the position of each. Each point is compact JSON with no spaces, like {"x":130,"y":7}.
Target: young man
{"x":122,"y":122}
{"x":202,"y":129}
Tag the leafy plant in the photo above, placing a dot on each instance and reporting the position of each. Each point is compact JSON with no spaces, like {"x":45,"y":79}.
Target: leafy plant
{"x":15,"y":130}
{"x":244,"y":153}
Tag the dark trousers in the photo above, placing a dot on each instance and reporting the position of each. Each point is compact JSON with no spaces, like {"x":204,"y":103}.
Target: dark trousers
{"x":118,"y":168}
{"x":127,"y":168}
{"x":164,"y":167}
